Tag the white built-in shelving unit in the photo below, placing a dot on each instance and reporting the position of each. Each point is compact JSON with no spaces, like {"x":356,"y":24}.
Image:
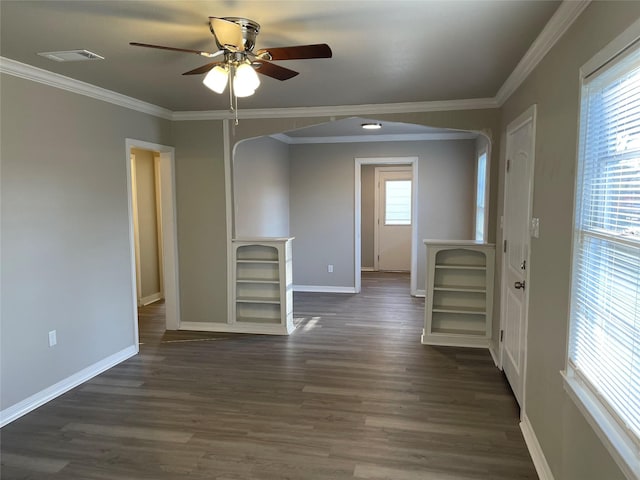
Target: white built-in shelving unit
{"x":459,"y":293}
{"x":262,"y":285}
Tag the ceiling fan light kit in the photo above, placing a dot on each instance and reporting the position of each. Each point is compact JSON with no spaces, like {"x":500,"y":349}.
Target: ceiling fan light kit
{"x":235,"y":38}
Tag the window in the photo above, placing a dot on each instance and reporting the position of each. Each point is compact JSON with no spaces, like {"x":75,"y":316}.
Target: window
{"x":481,"y":189}
{"x":397,"y":208}
{"x":604,"y":341}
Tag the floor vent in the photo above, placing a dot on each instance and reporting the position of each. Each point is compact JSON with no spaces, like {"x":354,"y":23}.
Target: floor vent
{"x":71,"y":56}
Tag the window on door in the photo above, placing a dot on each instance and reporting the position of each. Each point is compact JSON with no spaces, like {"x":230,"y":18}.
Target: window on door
{"x":481,"y":193}
{"x":397,"y":210}
{"x":604,"y":343}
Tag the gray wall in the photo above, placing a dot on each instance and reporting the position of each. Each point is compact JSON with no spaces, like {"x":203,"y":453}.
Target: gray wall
{"x":569,"y":444}
{"x":367,"y":215}
{"x":261,"y":188}
{"x":147,"y":222}
{"x":66,"y":261}
{"x":322,"y":202}
{"x":201,"y":212}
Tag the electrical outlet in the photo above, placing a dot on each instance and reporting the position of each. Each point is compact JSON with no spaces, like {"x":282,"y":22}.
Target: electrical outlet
{"x":52,"y":338}
{"x":330,"y":268}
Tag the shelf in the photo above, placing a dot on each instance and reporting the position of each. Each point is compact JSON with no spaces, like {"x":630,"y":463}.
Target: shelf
{"x":262,"y":299}
{"x":461,"y":267}
{"x":456,"y":331}
{"x":274,"y":301}
{"x":256,"y":260}
{"x":257,"y":280}
{"x":459,"y":310}
{"x":459,"y":293}
{"x":459,"y":288}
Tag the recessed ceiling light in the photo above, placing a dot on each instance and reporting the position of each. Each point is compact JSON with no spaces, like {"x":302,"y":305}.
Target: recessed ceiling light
{"x":371,"y":126}
{"x":71,"y":56}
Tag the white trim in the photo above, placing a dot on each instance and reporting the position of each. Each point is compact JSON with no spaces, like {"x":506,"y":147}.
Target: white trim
{"x":229,"y":217}
{"x":157,"y":183}
{"x":398,"y":137}
{"x":420,"y":293}
{"x":562,"y":19}
{"x":494,"y":356}
{"x":612,"y":50}
{"x":367,"y":269}
{"x":616,"y":441}
{"x":413,"y":161}
{"x":535,"y":450}
{"x":135,"y":219}
{"x":149,"y":299}
{"x":36,"y":400}
{"x":45,"y":77}
{"x":237,"y":327}
{"x":169,"y":230}
{"x":323,"y":289}
{"x":339,"y":110}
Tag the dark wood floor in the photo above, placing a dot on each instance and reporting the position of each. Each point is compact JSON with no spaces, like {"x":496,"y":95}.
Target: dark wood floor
{"x":351,"y":394}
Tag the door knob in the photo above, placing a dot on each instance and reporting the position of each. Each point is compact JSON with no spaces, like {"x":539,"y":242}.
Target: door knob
{"x":519,"y":285}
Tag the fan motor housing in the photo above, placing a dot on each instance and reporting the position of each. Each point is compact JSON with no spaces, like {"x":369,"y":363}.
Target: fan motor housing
{"x":250,"y":31}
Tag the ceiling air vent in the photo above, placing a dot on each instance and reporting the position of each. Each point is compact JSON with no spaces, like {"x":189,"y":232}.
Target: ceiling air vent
{"x":71,"y":56}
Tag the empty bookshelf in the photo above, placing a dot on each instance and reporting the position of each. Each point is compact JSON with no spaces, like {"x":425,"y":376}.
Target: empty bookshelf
{"x":459,"y":293}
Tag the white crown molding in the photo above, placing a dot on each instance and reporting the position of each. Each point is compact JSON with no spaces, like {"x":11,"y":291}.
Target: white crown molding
{"x":559,"y":23}
{"x":404,"y":137}
{"x":339,"y":110}
{"x":29,"y":72}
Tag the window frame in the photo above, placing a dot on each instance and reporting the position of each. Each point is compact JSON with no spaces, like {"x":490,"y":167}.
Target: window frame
{"x":620,"y":443}
{"x":485,"y":224}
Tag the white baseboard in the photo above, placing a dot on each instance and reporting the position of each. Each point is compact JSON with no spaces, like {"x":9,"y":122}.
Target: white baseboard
{"x":535,"y":450}
{"x":149,"y":299}
{"x":495,"y":357}
{"x":36,"y":400}
{"x":255,"y":328}
{"x":323,"y":289}
{"x":368,"y":269}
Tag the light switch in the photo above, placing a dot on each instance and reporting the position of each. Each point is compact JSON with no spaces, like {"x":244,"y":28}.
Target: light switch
{"x":535,"y":227}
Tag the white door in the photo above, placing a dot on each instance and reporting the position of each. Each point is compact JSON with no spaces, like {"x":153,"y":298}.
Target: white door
{"x":394,"y":218}
{"x":515,"y":264}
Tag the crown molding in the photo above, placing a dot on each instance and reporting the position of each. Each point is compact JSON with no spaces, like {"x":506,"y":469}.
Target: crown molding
{"x":562,"y":19}
{"x":404,"y":137}
{"x":341,"y":110}
{"x":29,"y":72}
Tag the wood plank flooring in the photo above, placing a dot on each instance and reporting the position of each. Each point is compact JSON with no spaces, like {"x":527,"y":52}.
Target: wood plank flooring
{"x":351,"y":394}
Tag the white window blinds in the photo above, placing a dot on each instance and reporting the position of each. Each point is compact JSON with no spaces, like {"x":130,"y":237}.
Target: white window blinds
{"x":604,"y":343}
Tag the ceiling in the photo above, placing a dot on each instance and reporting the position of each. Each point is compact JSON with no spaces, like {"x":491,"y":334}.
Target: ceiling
{"x":383,"y":52}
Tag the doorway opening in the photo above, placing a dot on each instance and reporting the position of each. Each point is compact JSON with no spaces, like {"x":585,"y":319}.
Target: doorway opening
{"x":394,"y":232}
{"x":152,"y":229}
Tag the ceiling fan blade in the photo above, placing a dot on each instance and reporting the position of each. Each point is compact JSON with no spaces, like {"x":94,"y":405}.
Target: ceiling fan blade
{"x":228,"y":34}
{"x":203,"y":68}
{"x":299,"y":52}
{"x":273,"y":71}
{"x":174,"y":49}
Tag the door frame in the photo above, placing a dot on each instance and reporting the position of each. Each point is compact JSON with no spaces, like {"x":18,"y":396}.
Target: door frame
{"x":167,"y":206}
{"x":529,"y":115}
{"x":376,"y":223}
{"x":359,"y":162}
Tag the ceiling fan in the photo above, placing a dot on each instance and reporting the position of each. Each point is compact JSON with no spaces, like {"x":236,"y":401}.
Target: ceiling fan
{"x":235,"y":38}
